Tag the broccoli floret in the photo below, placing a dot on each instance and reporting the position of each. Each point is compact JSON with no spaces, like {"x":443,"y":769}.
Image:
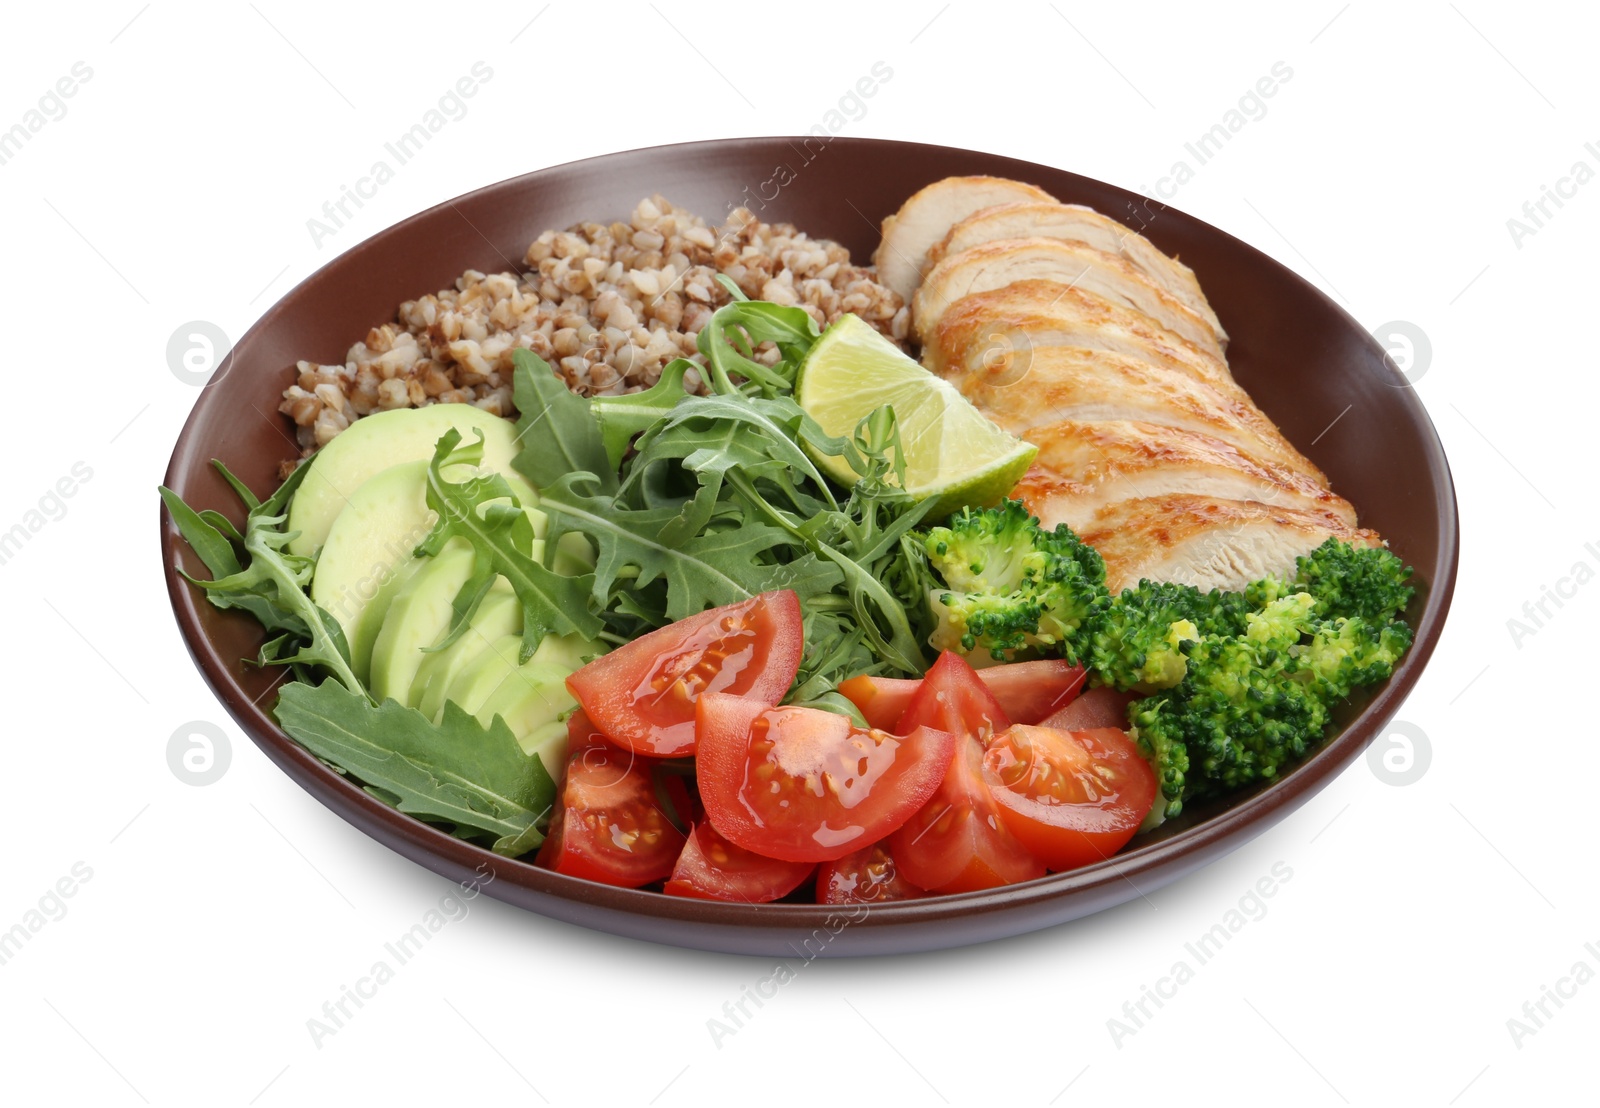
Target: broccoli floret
{"x":1014,"y":589}
{"x":1346,"y":653}
{"x":1370,"y":582}
{"x":1239,"y":684}
{"x":1251,"y":704}
{"x":1136,"y":642}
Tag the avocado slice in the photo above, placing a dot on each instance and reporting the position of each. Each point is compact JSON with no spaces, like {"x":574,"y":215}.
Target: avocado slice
{"x":498,"y":616}
{"x":376,"y":442}
{"x":533,"y":698}
{"x":367,"y":557}
{"x":418,"y":617}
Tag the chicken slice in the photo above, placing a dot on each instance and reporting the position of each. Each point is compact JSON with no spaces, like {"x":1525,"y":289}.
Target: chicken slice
{"x":1082,"y":467}
{"x":1021,"y":389}
{"x":927,"y":217}
{"x":995,"y":265}
{"x":1076,"y":223}
{"x":1038,"y":314}
{"x":1205,"y":541}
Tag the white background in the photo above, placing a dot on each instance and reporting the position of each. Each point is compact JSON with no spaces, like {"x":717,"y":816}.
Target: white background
{"x":218,"y":920}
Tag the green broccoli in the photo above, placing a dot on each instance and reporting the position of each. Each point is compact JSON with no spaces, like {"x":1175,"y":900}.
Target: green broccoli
{"x":1250,"y":705}
{"x":1136,"y":641}
{"x":1365,"y":581}
{"x":1014,"y":589}
{"x":1238,"y":685}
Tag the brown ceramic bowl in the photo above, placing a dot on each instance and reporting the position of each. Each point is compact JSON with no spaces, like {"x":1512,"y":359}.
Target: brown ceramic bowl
{"x":1303,"y":359}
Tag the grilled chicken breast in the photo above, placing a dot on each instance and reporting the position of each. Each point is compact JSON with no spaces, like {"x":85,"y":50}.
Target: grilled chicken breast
{"x":997,"y":264}
{"x":1076,"y":223}
{"x":927,"y":217}
{"x":1062,"y":343}
{"x":1207,"y":542}
{"x":1046,"y":313}
{"x":1082,"y":467}
{"x":1023,"y":389}
{"x":1078,"y":335}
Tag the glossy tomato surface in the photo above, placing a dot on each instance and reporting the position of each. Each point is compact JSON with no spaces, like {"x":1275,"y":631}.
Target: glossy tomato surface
{"x":712,"y":868}
{"x":806,"y":785}
{"x":1072,"y":798}
{"x":607,"y":825}
{"x":642,"y":694}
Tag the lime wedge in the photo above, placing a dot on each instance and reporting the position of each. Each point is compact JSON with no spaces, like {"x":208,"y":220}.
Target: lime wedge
{"x":952,"y":451}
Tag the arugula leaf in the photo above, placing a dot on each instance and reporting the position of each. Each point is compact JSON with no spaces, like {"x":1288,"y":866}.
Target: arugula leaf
{"x":558,"y":430}
{"x":272,"y":586}
{"x":708,"y":570}
{"x":457,"y":771}
{"x":730,"y":337}
{"x":483,"y":510}
{"x":623,"y":417}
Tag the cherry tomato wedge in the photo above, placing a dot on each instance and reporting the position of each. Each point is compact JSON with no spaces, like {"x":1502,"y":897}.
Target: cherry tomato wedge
{"x":957,"y":841}
{"x":1096,"y":708}
{"x":642,"y":694}
{"x":1028,"y":691}
{"x":952,"y":697}
{"x":806,"y":785}
{"x":868,"y":876}
{"x":607,"y":825}
{"x":1071,"y":797}
{"x":712,"y":868}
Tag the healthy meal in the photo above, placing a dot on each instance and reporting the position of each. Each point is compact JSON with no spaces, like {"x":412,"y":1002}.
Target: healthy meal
{"x":665,"y":564}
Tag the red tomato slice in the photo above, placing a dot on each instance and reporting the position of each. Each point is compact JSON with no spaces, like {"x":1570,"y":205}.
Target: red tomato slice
{"x":712,"y":868}
{"x":1028,"y":691}
{"x":607,"y":825}
{"x":806,"y":785}
{"x":957,"y":841}
{"x":642,"y":695}
{"x":1071,"y":797}
{"x":868,"y":876}
{"x":953,"y":698}
{"x":1096,"y":708}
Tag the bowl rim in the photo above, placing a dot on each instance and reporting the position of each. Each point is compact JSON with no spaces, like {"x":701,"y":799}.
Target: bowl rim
{"x":606,"y":907}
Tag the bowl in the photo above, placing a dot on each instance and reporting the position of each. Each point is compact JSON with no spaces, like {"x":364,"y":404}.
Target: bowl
{"x":1303,"y":359}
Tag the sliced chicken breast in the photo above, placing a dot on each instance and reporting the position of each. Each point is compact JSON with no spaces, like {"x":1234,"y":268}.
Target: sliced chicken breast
{"x":995,"y":265}
{"x":1039,"y":314}
{"x":1083,"y":467}
{"x":927,"y":217}
{"x":1208,"y":542}
{"x":1076,"y":223}
{"x":1063,"y":383}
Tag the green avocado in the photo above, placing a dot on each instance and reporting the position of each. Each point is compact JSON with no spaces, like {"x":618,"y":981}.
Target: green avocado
{"x":532,"y":698}
{"x":376,"y":442}
{"x":367,"y":557}
{"x":418,"y":617}
{"x":498,"y":616}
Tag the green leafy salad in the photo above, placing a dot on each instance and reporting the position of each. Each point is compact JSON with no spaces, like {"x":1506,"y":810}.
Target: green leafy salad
{"x":533,"y":550}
